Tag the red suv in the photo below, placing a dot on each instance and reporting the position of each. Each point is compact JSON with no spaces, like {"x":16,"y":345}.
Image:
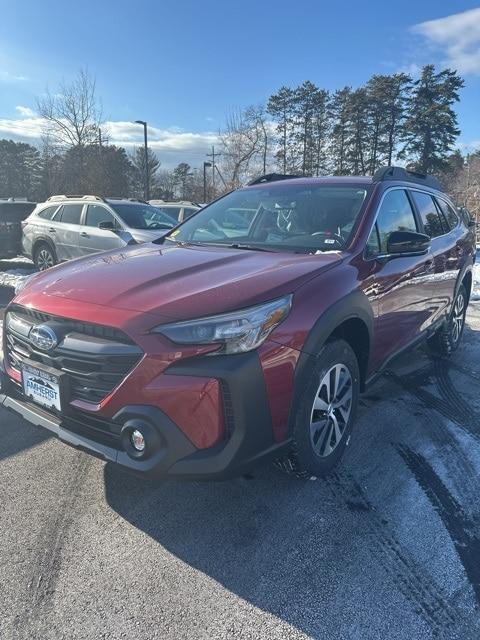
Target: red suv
{"x":248,"y":331}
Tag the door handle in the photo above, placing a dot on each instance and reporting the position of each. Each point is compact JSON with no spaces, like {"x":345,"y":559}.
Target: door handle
{"x":52,"y":230}
{"x":84,"y":234}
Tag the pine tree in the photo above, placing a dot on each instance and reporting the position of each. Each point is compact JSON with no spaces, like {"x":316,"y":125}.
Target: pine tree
{"x":281,"y":107}
{"x":430,"y":128}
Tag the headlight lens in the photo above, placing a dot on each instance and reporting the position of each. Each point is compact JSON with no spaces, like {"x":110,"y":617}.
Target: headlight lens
{"x":235,"y":332}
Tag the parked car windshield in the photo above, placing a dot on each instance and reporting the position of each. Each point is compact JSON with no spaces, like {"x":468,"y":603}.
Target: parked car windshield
{"x":143,"y":216}
{"x":301,"y":218}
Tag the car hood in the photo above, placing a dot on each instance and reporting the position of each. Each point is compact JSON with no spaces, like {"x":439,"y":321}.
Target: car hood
{"x":179,"y":282}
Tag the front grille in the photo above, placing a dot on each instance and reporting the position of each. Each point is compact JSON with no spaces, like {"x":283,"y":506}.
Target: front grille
{"x":94,"y":358}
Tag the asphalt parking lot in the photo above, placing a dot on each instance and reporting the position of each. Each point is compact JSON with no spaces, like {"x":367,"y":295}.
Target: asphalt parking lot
{"x":388,"y":547}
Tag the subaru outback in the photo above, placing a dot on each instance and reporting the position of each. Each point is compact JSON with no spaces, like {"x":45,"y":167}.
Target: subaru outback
{"x":246,"y":333}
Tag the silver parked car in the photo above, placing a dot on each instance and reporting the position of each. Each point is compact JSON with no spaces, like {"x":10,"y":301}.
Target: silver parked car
{"x":180,"y":210}
{"x":66,"y":227}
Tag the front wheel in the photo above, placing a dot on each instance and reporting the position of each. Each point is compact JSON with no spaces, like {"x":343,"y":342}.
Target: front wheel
{"x":325,"y":411}
{"x":44,"y":257}
{"x":446,"y":340}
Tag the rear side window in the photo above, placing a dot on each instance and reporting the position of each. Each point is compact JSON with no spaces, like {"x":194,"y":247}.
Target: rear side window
{"x":429,"y":214}
{"x":189,"y":211}
{"x":448,"y":213}
{"x":70,"y":213}
{"x":395,"y":214}
{"x":173,"y":212}
{"x":47,"y":213}
{"x":97,"y":214}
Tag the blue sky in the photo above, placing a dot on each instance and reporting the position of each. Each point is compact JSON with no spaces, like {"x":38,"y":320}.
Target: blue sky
{"x":183,"y":65}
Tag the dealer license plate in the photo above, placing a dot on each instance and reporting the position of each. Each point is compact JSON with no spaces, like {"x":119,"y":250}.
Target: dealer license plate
{"x":41,"y":387}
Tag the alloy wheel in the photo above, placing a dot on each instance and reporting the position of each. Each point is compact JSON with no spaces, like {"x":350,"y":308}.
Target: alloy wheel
{"x":458,"y":317}
{"x":44,"y":260}
{"x":331,"y":410}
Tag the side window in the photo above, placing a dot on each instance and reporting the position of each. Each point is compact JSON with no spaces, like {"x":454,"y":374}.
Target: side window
{"x":448,"y":213}
{"x":97,"y":214}
{"x":432,"y":223}
{"x":70,"y":213}
{"x":373,"y":243}
{"x":173,"y":212}
{"x":395,"y":214}
{"x":47,"y":213}
{"x":189,"y":211}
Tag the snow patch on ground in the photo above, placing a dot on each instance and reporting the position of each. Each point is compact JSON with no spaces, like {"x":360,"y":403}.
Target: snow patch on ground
{"x":14,"y":277}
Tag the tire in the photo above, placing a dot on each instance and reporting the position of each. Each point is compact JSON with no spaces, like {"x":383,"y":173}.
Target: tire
{"x":44,"y":257}
{"x":322,"y":431}
{"x":446,"y":339}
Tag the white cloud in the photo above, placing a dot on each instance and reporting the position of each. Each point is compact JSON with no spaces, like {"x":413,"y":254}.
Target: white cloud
{"x":26,"y":112}
{"x":7,"y":76}
{"x":26,"y":129}
{"x":172,"y":145}
{"x":458,"y":35}
{"x":470,"y":146}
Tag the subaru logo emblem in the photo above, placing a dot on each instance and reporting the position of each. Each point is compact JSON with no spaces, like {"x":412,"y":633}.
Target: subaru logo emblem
{"x":43,"y":337}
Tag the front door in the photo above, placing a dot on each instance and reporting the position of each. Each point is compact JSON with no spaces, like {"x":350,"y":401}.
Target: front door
{"x":92,"y":238}
{"x":398,"y":287}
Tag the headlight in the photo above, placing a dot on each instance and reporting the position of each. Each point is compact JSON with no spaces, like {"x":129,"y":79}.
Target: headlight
{"x":234,"y":332}
{"x":22,"y":284}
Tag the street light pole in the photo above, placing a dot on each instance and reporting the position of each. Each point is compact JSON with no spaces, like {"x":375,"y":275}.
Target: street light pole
{"x":205,"y":165}
{"x":147,"y":176}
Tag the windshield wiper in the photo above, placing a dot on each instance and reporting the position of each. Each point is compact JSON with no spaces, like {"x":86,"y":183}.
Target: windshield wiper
{"x":249,"y":247}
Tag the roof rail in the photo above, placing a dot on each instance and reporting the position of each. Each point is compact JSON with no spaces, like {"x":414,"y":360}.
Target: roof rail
{"x":74,"y":197}
{"x":271,"y":177}
{"x":384,"y":174}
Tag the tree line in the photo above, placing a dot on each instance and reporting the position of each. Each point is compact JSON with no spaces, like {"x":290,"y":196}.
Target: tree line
{"x":310,"y":131}
{"x":303,"y":130}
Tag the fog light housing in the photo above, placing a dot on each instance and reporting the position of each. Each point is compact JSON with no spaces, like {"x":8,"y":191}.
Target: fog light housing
{"x":138,"y":440}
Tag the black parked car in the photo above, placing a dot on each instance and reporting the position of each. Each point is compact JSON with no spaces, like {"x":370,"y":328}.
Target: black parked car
{"x":12,"y":213}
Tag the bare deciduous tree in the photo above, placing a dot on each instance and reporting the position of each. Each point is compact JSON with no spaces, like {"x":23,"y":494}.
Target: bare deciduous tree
{"x":244,"y":145}
{"x":72,"y":115}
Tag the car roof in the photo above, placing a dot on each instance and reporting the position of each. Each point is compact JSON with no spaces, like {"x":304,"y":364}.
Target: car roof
{"x":307,"y":181}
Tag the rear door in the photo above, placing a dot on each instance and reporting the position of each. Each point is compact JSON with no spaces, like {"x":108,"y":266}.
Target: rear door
{"x":92,"y":239}
{"x":443,"y":248}
{"x":399,"y":287}
{"x":65,"y":230}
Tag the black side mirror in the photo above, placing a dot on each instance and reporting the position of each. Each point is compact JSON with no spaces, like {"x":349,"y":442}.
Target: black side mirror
{"x":407,"y":243}
{"x":106,"y":225}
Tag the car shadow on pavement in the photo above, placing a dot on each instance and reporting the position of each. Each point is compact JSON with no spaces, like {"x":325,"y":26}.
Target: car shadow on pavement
{"x":280,"y":543}
{"x":16,"y":435}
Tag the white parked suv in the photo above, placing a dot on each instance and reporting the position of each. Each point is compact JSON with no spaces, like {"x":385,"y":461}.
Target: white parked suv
{"x":179,"y":210}
{"x":66,"y":227}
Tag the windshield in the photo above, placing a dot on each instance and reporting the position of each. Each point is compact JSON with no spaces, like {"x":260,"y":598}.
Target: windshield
{"x":143,"y":216}
{"x":281,"y":218}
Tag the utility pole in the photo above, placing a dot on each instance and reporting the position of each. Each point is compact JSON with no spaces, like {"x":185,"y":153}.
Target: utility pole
{"x":213,"y":155}
{"x":205,"y":165}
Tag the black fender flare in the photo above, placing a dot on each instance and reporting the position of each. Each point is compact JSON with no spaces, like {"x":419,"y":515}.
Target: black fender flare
{"x":467,"y":267}
{"x":43,"y":240}
{"x":354,"y":305}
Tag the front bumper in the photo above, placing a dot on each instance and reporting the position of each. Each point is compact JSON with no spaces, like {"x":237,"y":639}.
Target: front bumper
{"x":248,"y":434}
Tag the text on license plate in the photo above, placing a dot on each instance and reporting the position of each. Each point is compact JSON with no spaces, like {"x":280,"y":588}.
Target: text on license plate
{"x":41,"y":387}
